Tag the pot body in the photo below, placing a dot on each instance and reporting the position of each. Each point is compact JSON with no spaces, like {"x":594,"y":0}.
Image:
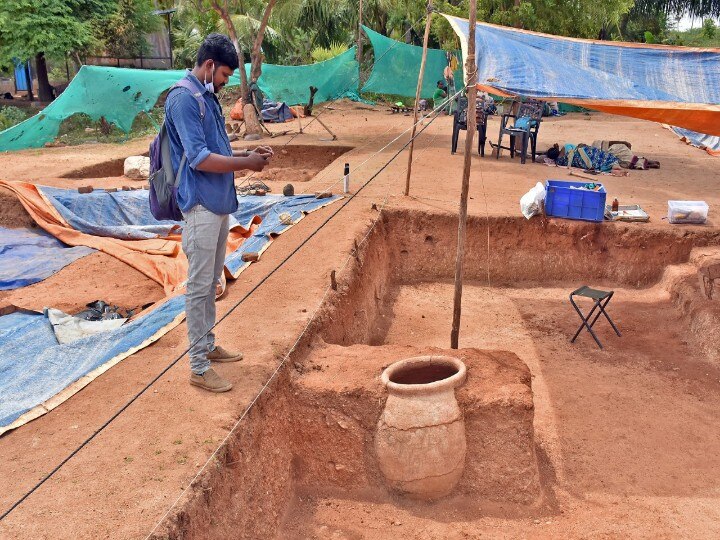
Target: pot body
{"x":420,"y":441}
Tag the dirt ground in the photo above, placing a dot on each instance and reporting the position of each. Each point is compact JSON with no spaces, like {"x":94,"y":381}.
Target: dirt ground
{"x":627,"y":437}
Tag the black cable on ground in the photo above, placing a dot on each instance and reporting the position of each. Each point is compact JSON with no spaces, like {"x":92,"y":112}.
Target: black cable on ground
{"x":233,"y":308}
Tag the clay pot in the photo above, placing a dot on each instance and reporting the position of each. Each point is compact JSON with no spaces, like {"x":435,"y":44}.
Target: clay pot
{"x":420,"y":439}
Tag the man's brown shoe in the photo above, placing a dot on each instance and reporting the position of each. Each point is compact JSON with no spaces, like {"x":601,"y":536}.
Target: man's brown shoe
{"x":211,"y":381}
{"x":223,"y":355}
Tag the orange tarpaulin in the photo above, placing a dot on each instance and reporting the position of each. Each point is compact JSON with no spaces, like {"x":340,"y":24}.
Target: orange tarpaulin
{"x":160,"y":259}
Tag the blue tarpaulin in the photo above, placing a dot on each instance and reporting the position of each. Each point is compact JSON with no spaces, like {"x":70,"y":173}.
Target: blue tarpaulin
{"x":37,"y":373}
{"x":31,"y":255}
{"x":679,"y":86}
{"x":709,"y":143}
{"x":126,"y":214}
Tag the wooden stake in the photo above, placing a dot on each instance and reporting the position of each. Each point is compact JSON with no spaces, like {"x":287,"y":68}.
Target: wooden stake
{"x":471,"y":70}
{"x":417,"y":95}
{"x":359,"y":36}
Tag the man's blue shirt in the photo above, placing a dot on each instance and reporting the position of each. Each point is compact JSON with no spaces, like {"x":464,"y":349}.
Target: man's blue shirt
{"x":198,"y":139}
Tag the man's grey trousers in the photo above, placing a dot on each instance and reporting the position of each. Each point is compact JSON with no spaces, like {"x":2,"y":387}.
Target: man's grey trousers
{"x":204,"y":241}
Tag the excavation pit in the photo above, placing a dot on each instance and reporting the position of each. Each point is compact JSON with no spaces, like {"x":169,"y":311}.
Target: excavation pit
{"x":303,"y":461}
{"x":291,"y":163}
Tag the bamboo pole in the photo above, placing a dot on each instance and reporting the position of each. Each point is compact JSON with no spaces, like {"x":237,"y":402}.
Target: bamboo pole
{"x":417,"y":94}
{"x":359,"y":35}
{"x":471,"y":70}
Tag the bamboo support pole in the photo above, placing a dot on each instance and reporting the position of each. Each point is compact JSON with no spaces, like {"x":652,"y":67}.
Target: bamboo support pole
{"x":417,"y":95}
{"x":471,"y":70}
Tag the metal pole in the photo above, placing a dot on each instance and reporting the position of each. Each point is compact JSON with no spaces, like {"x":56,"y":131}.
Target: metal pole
{"x":471,"y":70}
{"x":169,"y":15}
{"x":417,"y":95}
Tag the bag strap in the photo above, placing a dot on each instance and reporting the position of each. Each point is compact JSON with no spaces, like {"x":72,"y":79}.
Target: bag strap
{"x":165,"y":146}
{"x":197,"y":94}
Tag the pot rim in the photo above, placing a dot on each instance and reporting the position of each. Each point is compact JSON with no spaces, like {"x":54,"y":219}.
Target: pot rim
{"x":448,"y":383}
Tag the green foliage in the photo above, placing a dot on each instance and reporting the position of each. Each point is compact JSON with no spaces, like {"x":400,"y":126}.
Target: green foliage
{"x":189,"y":28}
{"x":320,"y":54}
{"x":696,"y":8}
{"x":28,"y":27}
{"x":649,"y":37}
{"x":10,"y":116}
{"x":122,"y":32}
{"x":709,"y":28}
{"x":697,"y":38}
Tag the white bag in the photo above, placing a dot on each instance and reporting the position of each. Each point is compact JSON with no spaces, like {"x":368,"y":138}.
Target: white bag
{"x":531,"y":203}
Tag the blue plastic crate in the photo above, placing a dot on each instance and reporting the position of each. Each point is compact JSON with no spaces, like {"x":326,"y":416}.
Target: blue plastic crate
{"x":563,"y":200}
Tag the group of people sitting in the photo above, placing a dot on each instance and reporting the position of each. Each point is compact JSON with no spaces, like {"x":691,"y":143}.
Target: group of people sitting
{"x":601,"y":156}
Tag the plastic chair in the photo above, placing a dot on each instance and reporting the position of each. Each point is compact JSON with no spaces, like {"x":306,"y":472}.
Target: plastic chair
{"x":601,"y":299}
{"x":460,"y":122}
{"x":531,"y":110}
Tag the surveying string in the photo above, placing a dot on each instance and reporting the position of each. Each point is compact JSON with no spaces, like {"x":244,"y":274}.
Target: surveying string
{"x":235,"y":306}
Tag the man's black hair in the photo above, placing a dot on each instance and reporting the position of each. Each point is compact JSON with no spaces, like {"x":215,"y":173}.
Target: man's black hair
{"x":553,"y":152}
{"x":219,"y":48}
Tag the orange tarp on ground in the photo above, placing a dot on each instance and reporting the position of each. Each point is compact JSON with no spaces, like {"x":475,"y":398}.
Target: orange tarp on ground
{"x":160,"y":259}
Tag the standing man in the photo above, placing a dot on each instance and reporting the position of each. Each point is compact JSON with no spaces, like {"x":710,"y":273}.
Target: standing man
{"x":206,"y":196}
{"x":439,"y":96}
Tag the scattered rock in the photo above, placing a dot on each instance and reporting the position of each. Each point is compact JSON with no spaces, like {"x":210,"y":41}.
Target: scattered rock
{"x":137,"y":167}
{"x":85,"y":189}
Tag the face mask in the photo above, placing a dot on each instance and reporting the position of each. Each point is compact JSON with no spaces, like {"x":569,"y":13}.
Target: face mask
{"x":209,"y":85}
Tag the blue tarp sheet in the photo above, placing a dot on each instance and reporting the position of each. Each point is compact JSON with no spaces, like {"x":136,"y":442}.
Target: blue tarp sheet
{"x":126,"y":214}
{"x":31,"y":255}
{"x":34,"y":367}
{"x":676,"y":85}
{"x":709,"y":143}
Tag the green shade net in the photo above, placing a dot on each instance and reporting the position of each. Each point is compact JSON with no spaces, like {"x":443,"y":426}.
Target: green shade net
{"x":335,"y":78}
{"x":120,"y":94}
{"x":397,"y":67}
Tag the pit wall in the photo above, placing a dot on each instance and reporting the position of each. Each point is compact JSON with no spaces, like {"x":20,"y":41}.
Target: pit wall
{"x":410,"y":246}
{"x":695,"y":291}
{"x":247,"y":488}
{"x":537,"y":250}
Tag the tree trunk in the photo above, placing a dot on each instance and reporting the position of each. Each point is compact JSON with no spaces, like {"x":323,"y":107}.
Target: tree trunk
{"x":28,"y":78}
{"x":255,"y":56}
{"x":44,"y":88}
{"x":252,"y":124}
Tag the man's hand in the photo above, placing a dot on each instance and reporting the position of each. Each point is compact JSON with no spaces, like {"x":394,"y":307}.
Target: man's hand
{"x":265,"y":151}
{"x":247,"y":161}
{"x":255,"y":162}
